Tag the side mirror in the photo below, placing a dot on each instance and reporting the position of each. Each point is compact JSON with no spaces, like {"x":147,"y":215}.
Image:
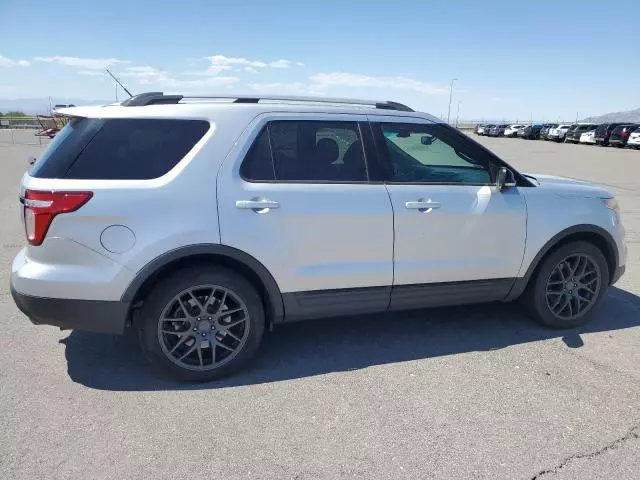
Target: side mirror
{"x":505,"y":179}
{"x":427,"y":139}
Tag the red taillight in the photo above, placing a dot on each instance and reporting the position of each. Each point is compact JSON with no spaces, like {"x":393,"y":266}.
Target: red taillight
{"x":41,"y":207}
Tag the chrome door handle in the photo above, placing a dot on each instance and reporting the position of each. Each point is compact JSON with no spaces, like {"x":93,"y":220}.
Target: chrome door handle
{"x":422,"y":205}
{"x":256,"y":204}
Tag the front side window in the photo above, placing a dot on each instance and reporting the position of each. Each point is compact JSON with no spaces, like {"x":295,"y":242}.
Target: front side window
{"x":422,"y":153}
{"x":307,"y":151}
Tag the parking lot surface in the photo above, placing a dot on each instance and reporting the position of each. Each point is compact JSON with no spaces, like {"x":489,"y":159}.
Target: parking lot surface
{"x":467,"y":392}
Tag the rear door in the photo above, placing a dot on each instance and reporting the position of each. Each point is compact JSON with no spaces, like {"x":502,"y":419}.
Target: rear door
{"x":294,"y":193}
{"x":457,"y":237}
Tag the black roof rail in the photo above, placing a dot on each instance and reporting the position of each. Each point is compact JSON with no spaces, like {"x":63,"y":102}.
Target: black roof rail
{"x":389,"y":105}
{"x":151,"y":98}
{"x":158,"y":98}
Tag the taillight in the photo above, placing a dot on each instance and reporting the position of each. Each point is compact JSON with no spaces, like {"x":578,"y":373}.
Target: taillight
{"x":40,"y":208}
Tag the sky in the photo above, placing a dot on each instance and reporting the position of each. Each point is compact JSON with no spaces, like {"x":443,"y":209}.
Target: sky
{"x":546,"y":60}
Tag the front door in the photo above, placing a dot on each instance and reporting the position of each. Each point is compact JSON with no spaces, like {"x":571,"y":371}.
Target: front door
{"x":458,"y":238}
{"x":295,"y":195}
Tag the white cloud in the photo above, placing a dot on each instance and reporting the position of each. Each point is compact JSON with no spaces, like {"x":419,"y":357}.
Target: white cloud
{"x":220,"y":63}
{"x":344,"y":79}
{"x":86,"y":63}
{"x":7,"y":62}
{"x":147,"y":75}
{"x":300,"y":64}
{"x":281,"y":64}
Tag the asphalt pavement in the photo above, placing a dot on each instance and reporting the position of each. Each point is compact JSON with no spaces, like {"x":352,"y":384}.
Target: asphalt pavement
{"x":469,"y":392}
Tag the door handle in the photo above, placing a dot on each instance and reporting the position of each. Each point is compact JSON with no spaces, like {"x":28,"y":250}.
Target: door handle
{"x":256,"y":204}
{"x":422,"y":205}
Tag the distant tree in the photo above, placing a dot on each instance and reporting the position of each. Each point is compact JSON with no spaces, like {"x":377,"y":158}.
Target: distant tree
{"x":15,"y":114}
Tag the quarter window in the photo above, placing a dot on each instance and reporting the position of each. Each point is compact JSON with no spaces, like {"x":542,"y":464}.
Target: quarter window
{"x":421,"y":153}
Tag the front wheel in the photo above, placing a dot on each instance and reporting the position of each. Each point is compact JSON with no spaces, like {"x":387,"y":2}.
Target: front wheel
{"x":568,"y":286}
{"x":201,"y":323}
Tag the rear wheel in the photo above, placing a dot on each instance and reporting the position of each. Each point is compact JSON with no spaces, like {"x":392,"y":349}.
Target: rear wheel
{"x":202,"y":323}
{"x":568,"y":286}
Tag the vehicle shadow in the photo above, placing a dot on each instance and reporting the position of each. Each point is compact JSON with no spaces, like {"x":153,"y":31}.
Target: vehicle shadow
{"x":305,"y":349}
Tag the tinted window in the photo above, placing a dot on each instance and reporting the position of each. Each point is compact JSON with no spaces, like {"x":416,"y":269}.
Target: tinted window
{"x":257,"y":165}
{"x":431,"y":153}
{"x":317,"y":151}
{"x":61,"y":152}
{"x":124,"y":149}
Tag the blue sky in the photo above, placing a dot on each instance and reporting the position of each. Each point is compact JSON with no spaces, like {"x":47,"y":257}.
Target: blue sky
{"x":512,"y":59}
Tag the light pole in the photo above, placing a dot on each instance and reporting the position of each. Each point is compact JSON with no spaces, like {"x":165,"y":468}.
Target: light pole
{"x":458,"y":113}
{"x":450,"y":95}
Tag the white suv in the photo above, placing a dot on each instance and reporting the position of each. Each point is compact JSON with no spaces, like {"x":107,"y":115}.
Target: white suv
{"x":512,"y":130}
{"x":558,"y":133}
{"x":202,"y":221}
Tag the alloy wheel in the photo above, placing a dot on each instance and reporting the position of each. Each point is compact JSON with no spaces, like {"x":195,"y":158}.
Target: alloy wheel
{"x":573,"y":287}
{"x":203,"y":327}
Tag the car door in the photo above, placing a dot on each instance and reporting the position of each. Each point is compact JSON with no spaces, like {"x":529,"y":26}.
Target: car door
{"x":458,"y":238}
{"x":294,"y":194}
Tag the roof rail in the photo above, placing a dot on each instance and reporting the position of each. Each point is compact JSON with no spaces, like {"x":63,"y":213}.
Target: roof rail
{"x":158,"y":98}
{"x":151,"y":98}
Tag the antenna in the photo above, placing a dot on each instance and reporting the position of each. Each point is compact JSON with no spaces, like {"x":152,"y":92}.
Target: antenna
{"x":118,"y":82}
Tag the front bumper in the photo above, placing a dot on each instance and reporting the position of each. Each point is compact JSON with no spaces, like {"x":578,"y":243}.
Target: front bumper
{"x":87,"y":315}
{"x":617,"y":274}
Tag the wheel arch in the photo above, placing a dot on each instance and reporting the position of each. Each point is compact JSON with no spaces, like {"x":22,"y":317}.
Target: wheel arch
{"x":215,"y":254}
{"x":594,"y":234}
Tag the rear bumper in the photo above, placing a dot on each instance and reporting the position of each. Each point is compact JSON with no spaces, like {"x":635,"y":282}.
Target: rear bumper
{"x":87,"y":315}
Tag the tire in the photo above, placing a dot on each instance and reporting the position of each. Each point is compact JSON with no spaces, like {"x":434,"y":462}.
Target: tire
{"x":540,"y":305}
{"x":219,"y":290}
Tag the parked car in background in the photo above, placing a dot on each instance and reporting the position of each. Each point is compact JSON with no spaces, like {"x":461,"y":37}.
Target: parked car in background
{"x":544,"y":133}
{"x":479,"y":130}
{"x":588,"y":137}
{"x":487,"y":129}
{"x":603,"y":132}
{"x":559,"y":132}
{"x":532,"y":132}
{"x":512,"y":130}
{"x":620,"y":135}
{"x":497,"y":130}
{"x":634,"y":138}
{"x":573,"y":134}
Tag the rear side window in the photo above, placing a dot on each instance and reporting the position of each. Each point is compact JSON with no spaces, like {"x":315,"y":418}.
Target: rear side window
{"x":118,"y":149}
{"x":306,"y":151}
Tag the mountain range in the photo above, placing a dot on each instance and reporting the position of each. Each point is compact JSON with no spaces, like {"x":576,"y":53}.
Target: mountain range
{"x":631,"y":116}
